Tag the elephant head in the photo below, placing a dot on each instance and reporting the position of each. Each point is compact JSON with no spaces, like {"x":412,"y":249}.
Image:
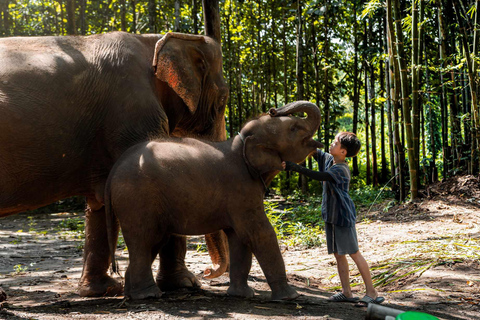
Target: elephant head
{"x":278,"y":137}
{"x":191,"y":66}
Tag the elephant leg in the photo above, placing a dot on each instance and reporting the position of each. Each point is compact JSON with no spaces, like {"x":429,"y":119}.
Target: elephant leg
{"x":217,"y":244}
{"x":264,"y":244}
{"x":96,"y":257}
{"x":139,"y":282}
{"x":173,"y":274}
{"x":240,"y":264}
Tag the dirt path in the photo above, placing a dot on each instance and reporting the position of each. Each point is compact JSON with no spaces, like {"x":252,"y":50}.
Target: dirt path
{"x":429,"y":252}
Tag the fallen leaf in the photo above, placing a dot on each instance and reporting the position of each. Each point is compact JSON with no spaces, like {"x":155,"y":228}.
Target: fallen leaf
{"x":265,"y":308}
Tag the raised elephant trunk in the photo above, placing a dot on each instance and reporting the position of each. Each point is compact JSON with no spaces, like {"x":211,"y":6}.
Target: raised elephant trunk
{"x":312,"y":111}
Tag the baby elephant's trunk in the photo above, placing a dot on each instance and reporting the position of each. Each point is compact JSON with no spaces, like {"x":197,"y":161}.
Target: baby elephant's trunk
{"x":312,"y":111}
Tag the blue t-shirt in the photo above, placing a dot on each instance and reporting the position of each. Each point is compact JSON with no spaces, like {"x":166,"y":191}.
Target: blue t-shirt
{"x":337,"y":206}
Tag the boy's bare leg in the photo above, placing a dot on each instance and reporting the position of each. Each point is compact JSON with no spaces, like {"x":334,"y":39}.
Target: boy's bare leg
{"x":364,"y":269}
{"x":344,"y":274}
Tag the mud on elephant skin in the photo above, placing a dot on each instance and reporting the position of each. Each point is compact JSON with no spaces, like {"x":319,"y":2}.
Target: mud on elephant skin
{"x":189,"y":186}
{"x":70,"y":106}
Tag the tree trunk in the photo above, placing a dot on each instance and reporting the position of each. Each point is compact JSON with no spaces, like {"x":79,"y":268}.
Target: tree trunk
{"x":134,"y":14}
{"x":299,"y":72}
{"x":176,"y":26}
{"x":326,"y":91}
{"x":372,"y":98}
{"x":211,"y":18}
{"x":83,"y":26}
{"x":412,"y":165}
{"x":230,"y":70}
{"x":274,"y":58}
{"x":194,"y":15}
{"x":415,"y":86}
{"x":365,"y":70}
{"x":285,"y":74}
{"x":391,"y":145}
{"x":356,"y":87}
{"x":472,"y":71}
{"x":443,"y":98}
{"x":62,"y":18}
{"x":123,"y":15}
{"x":239,"y":89}
{"x":152,"y":16}
{"x":70,"y":6}
{"x":395,"y":93}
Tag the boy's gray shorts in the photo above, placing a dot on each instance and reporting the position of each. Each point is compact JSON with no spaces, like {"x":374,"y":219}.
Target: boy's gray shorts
{"x":341,"y":240}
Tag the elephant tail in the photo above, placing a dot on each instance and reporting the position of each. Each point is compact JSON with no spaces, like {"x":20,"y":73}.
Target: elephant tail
{"x":112,"y":227}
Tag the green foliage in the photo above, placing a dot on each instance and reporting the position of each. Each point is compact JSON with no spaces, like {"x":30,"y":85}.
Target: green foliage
{"x":367,"y":194}
{"x":20,"y":268}
{"x":201,"y":247}
{"x":73,"y":224}
{"x":297,"y":225}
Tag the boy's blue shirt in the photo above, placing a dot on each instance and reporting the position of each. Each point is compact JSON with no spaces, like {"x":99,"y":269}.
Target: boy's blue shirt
{"x":337,"y":206}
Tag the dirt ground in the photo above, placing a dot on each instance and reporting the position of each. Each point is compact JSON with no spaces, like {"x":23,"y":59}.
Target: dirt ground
{"x":426,"y":253}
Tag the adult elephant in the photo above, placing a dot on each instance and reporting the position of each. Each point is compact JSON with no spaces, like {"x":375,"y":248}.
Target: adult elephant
{"x":70,"y":106}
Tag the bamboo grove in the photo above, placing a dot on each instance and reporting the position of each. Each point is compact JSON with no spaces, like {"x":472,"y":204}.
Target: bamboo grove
{"x":402,"y":74}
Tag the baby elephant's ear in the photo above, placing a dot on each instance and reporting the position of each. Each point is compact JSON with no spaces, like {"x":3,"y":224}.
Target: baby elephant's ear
{"x":260,"y":157}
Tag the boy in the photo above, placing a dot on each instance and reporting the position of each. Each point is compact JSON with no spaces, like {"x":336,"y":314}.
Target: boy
{"x":338,"y":212}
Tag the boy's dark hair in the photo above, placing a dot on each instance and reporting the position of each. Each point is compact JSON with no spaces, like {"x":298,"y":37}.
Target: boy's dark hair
{"x":349,"y":142}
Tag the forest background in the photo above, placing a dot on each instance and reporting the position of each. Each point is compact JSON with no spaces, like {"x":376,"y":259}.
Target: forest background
{"x":402,"y":75}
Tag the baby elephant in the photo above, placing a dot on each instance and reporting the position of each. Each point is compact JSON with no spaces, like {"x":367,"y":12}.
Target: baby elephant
{"x":190,"y":187}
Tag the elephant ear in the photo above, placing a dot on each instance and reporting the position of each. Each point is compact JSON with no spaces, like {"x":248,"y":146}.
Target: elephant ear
{"x":172,"y":63}
{"x":260,"y":157}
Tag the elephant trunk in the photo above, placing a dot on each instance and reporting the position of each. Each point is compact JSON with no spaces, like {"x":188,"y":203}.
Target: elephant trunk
{"x":312,"y":111}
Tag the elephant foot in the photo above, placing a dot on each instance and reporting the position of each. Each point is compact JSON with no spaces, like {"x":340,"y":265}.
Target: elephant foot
{"x":152,"y":292}
{"x":240,"y":291}
{"x":179,"y":279}
{"x":3,"y":295}
{"x":100,"y":287}
{"x":216,"y":271}
{"x":286,"y":292}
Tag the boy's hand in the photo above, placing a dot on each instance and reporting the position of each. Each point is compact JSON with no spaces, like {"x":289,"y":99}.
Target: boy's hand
{"x":284,"y":165}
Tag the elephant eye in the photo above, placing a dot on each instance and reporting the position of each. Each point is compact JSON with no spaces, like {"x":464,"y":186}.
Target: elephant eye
{"x":201,"y":65}
{"x":293,"y":128}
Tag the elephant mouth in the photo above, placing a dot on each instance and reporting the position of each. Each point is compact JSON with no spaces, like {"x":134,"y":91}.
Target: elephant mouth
{"x":310,"y":142}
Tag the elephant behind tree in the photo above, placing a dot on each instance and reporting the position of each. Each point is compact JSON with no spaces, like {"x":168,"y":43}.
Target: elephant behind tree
{"x":189,"y":186}
{"x":70,"y":106}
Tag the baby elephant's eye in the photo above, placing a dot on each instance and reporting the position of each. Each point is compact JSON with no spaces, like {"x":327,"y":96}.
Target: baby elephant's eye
{"x":293,"y":128}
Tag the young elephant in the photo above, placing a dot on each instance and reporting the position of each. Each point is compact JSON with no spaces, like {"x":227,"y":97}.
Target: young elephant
{"x":191,"y":187}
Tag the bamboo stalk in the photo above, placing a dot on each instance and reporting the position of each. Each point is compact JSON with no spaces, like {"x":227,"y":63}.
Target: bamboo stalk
{"x":405,"y":102}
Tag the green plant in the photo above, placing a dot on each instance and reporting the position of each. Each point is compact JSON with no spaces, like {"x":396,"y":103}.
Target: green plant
{"x":73,"y":224}
{"x":31,"y":224}
{"x":367,"y":194}
{"x":19,"y":268}
{"x":296,"y":226}
{"x":201,"y":247}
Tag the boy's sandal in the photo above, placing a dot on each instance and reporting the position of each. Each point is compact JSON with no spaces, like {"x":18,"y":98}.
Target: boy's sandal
{"x":367,"y":300}
{"x":340,"y":297}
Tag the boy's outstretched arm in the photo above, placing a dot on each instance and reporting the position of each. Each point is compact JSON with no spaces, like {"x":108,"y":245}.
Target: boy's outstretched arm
{"x":316,"y":175}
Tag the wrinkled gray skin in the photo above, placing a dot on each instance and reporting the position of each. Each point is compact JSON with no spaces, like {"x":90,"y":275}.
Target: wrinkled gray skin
{"x":190,"y":186}
{"x":70,"y":106}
